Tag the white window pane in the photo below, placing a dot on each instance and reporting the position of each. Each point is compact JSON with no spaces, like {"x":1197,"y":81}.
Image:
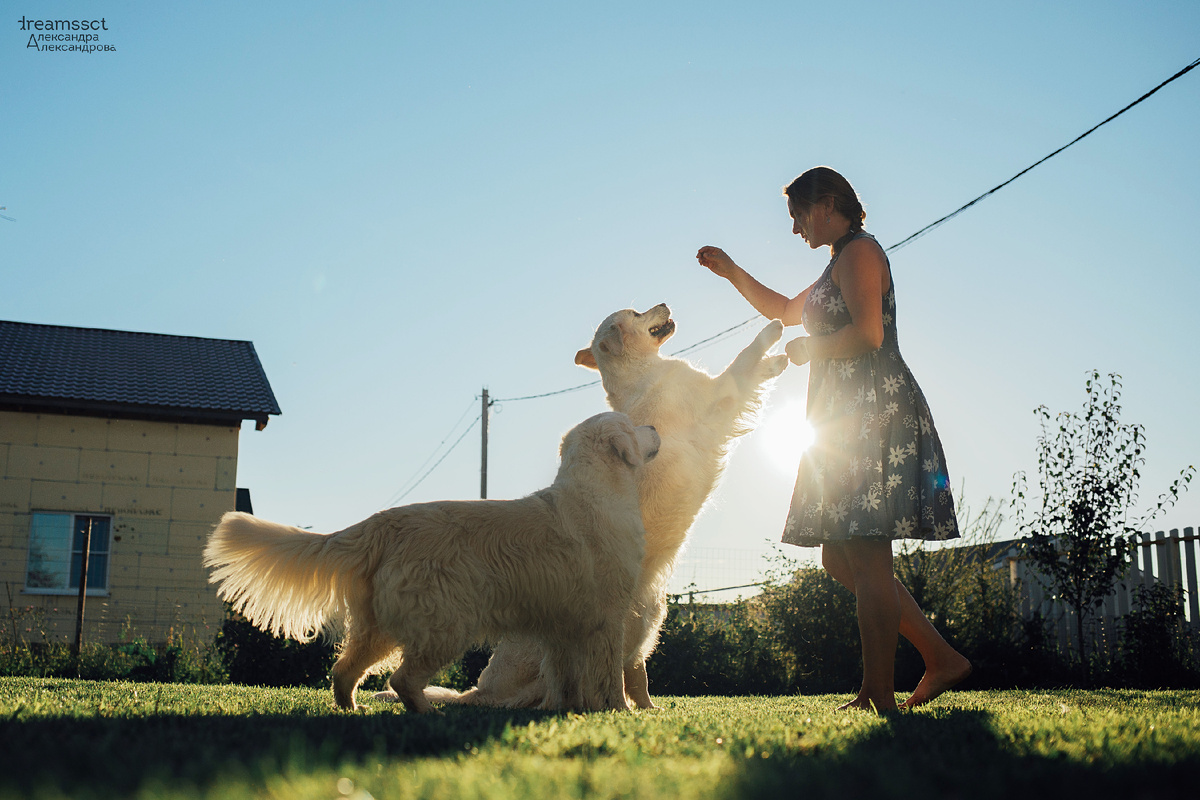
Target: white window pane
{"x":49,"y":551}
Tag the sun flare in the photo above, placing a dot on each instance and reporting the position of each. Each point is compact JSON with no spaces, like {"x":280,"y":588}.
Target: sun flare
{"x":785,"y":434}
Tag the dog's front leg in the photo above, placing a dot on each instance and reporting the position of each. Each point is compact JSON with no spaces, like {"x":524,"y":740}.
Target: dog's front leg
{"x":750,"y":369}
{"x":603,"y":673}
{"x":560,"y":678}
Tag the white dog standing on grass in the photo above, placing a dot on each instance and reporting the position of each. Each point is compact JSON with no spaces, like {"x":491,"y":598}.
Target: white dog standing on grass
{"x":559,"y":567}
{"x":698,"y":416}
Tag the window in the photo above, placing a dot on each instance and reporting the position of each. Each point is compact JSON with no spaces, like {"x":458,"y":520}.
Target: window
{"x":56,"y":552}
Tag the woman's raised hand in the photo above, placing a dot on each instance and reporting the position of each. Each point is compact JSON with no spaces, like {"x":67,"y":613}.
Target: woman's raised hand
{"x":797,"y":351}
{"x":716,"y":260}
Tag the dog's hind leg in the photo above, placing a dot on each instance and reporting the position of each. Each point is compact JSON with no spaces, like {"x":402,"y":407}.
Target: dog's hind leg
{"x":512,"y":677}
{"x":418,"y":666}
{"x":531,"y":695}
{"x":637,"y":683}
{"x":363,"y":648}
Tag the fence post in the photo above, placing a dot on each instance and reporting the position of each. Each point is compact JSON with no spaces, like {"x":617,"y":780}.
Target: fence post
{"x":1189,"y":551}
{"x":1168,"y":557}
{"x":1147,"y":561}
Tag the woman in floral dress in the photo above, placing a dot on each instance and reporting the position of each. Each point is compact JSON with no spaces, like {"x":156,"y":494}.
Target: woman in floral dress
{"x":876,"y":471}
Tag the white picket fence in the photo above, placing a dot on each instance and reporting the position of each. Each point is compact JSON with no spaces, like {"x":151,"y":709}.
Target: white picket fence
{"x":1162,"y":557}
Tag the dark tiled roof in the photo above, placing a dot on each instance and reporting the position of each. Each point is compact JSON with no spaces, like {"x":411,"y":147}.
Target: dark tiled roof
{"x":95,"y":371}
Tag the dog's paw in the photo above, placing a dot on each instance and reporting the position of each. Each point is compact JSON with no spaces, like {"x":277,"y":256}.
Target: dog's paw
{"x":773,"y":366}
{"x":386,"y":697}
{"x":770,"y":334}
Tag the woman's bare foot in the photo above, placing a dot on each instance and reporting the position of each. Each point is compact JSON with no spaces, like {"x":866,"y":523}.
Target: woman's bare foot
{"x":936,"y":681}
{"x":855,"y":703}
{"x":866,"y":703}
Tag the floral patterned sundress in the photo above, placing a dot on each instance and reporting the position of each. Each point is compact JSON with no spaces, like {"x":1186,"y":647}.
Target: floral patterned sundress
{"x":876,"y":467}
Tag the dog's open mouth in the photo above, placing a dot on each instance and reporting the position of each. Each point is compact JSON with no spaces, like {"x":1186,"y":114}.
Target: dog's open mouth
{"x":661,"y":332}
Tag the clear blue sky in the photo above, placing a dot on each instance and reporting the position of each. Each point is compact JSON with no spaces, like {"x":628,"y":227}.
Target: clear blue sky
{"x":401,"y":204}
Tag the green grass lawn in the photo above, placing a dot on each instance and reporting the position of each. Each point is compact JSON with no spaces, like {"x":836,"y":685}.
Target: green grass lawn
{"x":81,"y":739}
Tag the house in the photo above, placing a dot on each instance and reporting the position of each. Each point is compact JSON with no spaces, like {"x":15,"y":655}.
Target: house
{"x":135,"y":436}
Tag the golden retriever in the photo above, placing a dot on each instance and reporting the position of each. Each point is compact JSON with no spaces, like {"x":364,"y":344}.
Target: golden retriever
{"x":558,"y":567}
{"x":698,"y":416}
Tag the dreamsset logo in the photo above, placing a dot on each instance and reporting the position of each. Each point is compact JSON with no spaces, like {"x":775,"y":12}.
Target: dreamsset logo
{"x":66,"y":35}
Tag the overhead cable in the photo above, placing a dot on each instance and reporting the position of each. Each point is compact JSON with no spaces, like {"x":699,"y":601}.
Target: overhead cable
{"x":405,"y":492}
{"x":1088,"y":132}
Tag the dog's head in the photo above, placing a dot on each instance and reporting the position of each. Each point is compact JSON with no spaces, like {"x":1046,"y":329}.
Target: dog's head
{"x":610,"y":437}
{"x":627,"y":335}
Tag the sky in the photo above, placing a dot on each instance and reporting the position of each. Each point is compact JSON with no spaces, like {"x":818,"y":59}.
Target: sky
{"x":403,"y":204}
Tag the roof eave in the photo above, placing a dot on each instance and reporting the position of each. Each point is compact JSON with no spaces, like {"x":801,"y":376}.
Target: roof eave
{"x":91,"y":408}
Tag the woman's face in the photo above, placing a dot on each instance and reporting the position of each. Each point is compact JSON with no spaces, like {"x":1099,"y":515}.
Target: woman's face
{"x":802,"y":223}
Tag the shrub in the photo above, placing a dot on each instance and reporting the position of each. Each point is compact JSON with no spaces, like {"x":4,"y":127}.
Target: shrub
{"x":1155,"y":651}
{"x":811,"y":625}
{"x":257,"y":658}
{"x":713,"y":650}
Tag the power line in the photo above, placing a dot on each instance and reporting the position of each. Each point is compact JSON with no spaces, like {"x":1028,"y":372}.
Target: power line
{"x":714,"y":337}
{"x":547,"y":394}
{"x":1088,"y":132}
{"x":404,"y":492}
{"x":694,"y":592}
{"x":439,"y":461}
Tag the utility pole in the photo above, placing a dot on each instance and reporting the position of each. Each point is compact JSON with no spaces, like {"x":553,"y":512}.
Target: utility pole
{"x":483,"y":460}
{"x":83,"y":570}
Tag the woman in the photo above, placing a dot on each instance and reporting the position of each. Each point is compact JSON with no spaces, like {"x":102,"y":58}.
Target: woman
{"x":875,"y":471}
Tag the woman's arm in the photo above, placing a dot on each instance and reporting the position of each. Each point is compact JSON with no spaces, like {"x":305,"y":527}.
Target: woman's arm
{"x":768,"y":302}
{"x":861,"y":273}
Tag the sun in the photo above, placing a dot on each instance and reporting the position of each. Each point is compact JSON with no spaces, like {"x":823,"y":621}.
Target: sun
{"x":784,"y":434}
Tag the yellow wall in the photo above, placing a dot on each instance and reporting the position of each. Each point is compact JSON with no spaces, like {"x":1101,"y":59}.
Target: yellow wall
{"x":165,"y":486}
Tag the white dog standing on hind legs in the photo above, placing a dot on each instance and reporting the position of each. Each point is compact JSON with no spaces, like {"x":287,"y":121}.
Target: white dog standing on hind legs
{"x":698,"y":415}
{"x":559,"y":566}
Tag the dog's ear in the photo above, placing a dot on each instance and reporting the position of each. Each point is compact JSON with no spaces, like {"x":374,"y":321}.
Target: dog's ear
{"x":585,"y":358}
{"x":625,"y":444}
{"x":613,"y":340}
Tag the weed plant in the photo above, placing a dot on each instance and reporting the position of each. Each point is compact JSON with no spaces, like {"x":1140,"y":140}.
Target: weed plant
{"x":27,"y":650}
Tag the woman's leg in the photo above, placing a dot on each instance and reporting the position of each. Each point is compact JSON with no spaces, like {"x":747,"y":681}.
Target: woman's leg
{"x":870,"y":563}
{"x":944,"y":666}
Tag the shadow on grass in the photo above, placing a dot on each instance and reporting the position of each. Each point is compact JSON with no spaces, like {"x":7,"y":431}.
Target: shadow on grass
{"x":114,"y":756}
{"x":957,"y":754}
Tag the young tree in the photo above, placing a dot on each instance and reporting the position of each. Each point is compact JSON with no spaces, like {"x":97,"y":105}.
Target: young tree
{"x":1080,"y":535}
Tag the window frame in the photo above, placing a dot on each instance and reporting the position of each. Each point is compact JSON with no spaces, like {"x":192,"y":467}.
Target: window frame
{"x":93,"y":589}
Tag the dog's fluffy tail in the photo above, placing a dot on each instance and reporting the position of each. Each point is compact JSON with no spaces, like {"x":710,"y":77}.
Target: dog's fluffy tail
{"x":285,"y":580}
{"x":529,"y":696}
{"x":443,"y":694}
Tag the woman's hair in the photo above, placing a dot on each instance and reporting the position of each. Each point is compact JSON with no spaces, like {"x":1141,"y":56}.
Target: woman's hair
{"x":821,"y":182}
